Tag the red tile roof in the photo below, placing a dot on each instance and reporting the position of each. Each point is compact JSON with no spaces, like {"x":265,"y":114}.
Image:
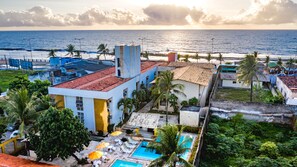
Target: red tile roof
{"x":11,"y":161}
{"x":290,"y":81}
{"x":104,"y":80}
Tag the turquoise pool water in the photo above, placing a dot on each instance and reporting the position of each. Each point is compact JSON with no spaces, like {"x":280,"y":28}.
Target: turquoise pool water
{"x":142,"y":153}
{"x":122,"y":163}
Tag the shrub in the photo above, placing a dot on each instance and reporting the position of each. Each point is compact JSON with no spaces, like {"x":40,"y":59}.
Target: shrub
{"x":184,"y":103}
{"x":193,"y":101}
{"x":270,"y":149}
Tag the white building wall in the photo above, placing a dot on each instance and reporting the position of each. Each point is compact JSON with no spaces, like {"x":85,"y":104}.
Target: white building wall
{"x":189,"y":118}
{"x":238,"y":84}
{"x":290,"y":97}
{"x":88,"y":110}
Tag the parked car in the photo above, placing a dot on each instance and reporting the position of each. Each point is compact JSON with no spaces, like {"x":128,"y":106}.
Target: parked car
{"x":14,"y":134}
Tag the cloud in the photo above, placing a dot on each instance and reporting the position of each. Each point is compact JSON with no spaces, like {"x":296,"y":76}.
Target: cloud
{"x":261,"y":12}
{"x":267,"y":12}
{"x":166,"y":15}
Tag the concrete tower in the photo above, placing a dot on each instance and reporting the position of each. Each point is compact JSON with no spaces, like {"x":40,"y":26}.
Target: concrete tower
{"x":127,"y":61}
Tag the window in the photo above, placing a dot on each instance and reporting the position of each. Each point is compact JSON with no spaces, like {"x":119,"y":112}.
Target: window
{"x":118,"y":60}
{"x":119,"y":73}
{"x":125,"y":92}
{"x":234,"y":82}
{"x":79,"y":103}
{"x":80,"y":116}
{"x":147,"y":81}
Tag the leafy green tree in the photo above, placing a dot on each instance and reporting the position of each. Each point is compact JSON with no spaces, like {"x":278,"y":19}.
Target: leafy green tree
{"x":263,"y":161}
{"x":178,"y":56}
{"x":249,"y":70}
{"x":102,"y":49}
{"x":170,"y":147}
{"x":208,"y":58}
{"x":20,"y":108}
{"x":52,"y":53}
{"x":18,"y":83}
{"x":197,"y":57}
{"x":220,"y":58}
{"x":184,"y":103}
{"x":269,"y":149}
{"x":193,"y":101}
{"x":139,"y":97}
{"x":256,"y":54}
{"x":39,"y":87}
{"x":279,"y":62}
{"x":70,"y":49}
{"x":164,"y":87}
{"x":60,"y":135}
{"x":173,"y":102}
{"x":127,"y":105}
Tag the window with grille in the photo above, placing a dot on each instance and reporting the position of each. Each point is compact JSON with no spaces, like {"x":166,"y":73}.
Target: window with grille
{"x":125,"y":92}
{"x":79,"y":103}
{"x":80,"y":116}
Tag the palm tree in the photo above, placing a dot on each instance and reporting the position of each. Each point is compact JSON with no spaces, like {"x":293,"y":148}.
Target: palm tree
{"x":20,"y":108}
{"x":78,"y":54}
{"x":279,"y":62}
{"x":102,"y":49}
{"x":289,"y":63}
{"x":52,"y":53}
{"x":249,"y":70}
{"x":221,"y":58}
{"x":164,"y":87}
{"x":267,"y":60}
{"x":139,"y":97}
{"x":208,"y":58}
{"x":256,"y":54}
{"x":127,"y":104}
{"x":186,"y":59}
{"x":70,"y":49}
{"x":197,"y":57}
{"x":146,"y":55}
{"x":170,"y":147}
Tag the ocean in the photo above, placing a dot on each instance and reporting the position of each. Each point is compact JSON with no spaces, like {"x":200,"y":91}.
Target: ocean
{"x":266,"y":42}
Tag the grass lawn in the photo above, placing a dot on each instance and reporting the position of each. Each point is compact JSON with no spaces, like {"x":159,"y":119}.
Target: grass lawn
{"x":6,"y":76}
{"x":231,"y":94}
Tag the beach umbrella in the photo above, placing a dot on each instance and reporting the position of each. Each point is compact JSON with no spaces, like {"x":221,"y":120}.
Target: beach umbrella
{"x":95,"y":155}
{"x":102,"y":145}
{"x":116,"y":133}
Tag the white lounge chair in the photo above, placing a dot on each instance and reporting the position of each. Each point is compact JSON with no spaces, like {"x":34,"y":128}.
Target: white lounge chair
{"x":131,"y":141}
{"x":125,"y":150}
{"x":129,"y":146}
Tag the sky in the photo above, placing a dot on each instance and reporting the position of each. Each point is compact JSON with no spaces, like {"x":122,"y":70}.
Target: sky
{"x":147,"y":14}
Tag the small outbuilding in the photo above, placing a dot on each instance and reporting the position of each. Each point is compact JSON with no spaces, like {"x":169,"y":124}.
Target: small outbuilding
{"x":189,"y":116}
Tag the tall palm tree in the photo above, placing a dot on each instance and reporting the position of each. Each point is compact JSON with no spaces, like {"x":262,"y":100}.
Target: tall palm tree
{"x":267,"y":60}
{"x":208,"y":58}
{"x":170,"y":147}
{"x":127,"y":104}
{"x":139,"y":97}
{"x":197,"y":57}
{"x":70,"y":49}
{"x":249,"y":69}
{"x":102,"y":49}
{"x":279,"y":62}
{"x":289,"y":63}
{"x":52,"y":53}
{"x":20,"y":108}
{"x":221,"y":58}
{"x":164,"y":87}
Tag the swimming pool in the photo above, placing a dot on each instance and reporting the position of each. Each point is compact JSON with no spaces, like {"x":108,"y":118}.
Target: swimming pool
{"x":122,"y":163}
{"x":142,"y":153}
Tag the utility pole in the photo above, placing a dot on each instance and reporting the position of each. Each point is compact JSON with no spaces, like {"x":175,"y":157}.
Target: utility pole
{"x":79,"y":39}
{"x":142,"y":39}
